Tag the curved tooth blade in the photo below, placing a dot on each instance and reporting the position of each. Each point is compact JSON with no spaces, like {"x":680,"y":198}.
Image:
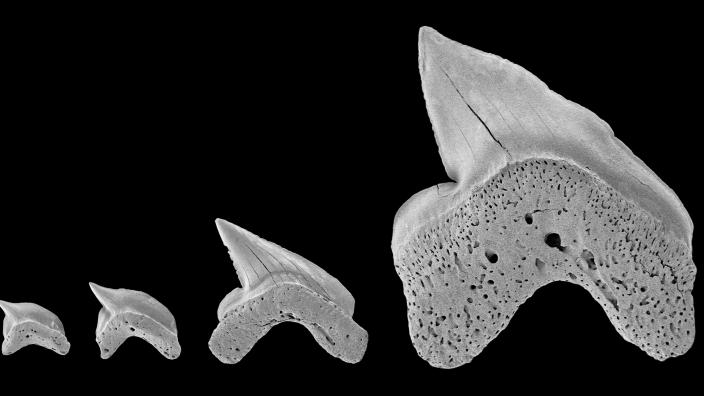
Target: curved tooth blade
{"x":487,"y":111}
{"x":279,"y":286}
{"x":30,"y":324}
{"x":11,"y":316}
{"x":128,"y":313}
{"x":542,"y":191}
{"x":257,"y":260}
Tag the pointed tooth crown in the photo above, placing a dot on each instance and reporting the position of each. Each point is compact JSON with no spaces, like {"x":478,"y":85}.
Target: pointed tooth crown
{"x":256,"y":259}
{"x":20,"y":312}
{"x":125,"y":300}
{"x":487,"y":112}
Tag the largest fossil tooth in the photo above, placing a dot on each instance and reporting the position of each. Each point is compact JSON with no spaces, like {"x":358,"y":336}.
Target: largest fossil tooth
{"x":29,"y":324}
{"x":130,"y":313}
{"x":279,"y":286}
{"x":542,"y":191}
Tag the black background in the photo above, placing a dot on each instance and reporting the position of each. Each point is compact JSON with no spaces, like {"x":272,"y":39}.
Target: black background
{"x":124,"y":138}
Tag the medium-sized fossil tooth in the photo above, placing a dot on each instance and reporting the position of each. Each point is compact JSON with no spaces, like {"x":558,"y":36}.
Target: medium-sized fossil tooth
{"x":127,"y":313}
{"x":29,"y":324}
{"x":280,"y":286}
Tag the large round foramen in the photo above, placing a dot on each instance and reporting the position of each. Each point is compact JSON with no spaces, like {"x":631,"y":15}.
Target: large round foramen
{"x":544,"y":192}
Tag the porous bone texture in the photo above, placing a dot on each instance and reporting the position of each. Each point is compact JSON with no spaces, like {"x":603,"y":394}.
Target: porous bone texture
{"x":30,"y":324}
{"x":130,"y":313}
{"x":542,"y":191}
{"x":279,"y":286}
{"x":243,"y":326}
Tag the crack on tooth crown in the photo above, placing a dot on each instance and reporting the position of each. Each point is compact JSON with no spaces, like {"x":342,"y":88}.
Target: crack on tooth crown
{"x":280,"y":286}
{"x":534,"y":222}
{"x":541,"y":191}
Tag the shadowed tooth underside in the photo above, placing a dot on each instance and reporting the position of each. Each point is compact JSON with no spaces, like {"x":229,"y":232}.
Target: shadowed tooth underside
{"x":130,"y":313}
{"x":279,"y":286}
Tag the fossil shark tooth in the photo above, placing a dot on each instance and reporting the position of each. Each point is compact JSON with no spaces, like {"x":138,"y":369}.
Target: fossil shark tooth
{"x":280,"y":286}
{"x":542,"y":191}
{"x":130,"y":313}
{"x":29,"y":324}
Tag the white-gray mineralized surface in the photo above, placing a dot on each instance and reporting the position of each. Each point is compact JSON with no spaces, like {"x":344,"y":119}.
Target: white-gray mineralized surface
{"x":281,"y":286}
{"x":30,"y":324}
{"x":130,"y":313}
{"x":542,"y":191}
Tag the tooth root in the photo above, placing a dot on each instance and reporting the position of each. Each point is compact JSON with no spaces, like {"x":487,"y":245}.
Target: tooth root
{"x":278,"y":286}
{"x":127,"y":313}
{"x":30,"y":324}
{"x":542,"y":192}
